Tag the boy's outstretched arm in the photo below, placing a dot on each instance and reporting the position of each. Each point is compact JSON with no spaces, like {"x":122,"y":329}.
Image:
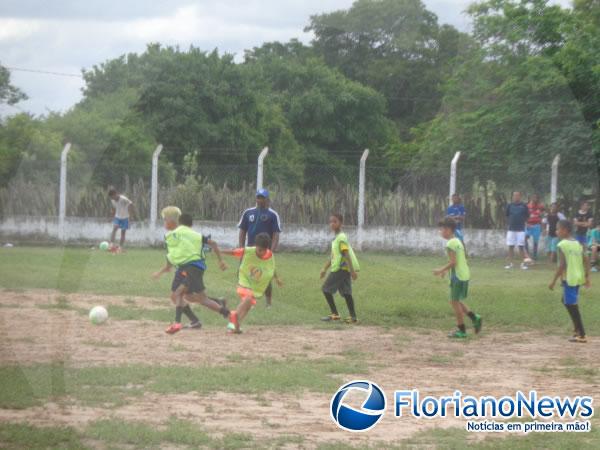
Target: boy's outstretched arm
{"x":346,"y":256}
{"x":451,"y":264}
{"x":562,"y":266}
{"x":167,"y":268}
{"x":215,"y":248}
{"x":325,"y":268}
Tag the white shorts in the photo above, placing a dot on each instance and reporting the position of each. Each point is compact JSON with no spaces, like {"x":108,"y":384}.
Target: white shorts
{"x":515,"y":239}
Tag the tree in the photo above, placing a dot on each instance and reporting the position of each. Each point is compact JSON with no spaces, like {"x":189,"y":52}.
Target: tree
{"x":394,"y":46}
{"x":8,"y":93}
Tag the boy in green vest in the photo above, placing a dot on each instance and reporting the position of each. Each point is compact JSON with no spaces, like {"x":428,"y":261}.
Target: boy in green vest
{"x":574,"y":270}
{"x":343,"y":267}
{"x":185,"y":251}
{"x":256,"y":271}
{"x":459,"y":279}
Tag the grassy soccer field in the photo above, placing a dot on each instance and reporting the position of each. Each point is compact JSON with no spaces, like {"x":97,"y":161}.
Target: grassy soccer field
{"x":68,"y":384}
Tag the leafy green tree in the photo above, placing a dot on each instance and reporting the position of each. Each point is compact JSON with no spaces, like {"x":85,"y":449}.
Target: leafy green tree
{"x":509,"y":107}
{"x":394,"y":46}
{"x":8,"y":93}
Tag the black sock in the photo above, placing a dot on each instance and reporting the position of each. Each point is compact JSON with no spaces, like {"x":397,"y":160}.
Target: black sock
{"x":576,"y":318}
{"x":350,"y":304}
{"x":462,"y":328}
{"x":190,"y":314}
{"x":331,"y":303}
{"x":178,"y":313}
{"x":225,"y":311}
{"x":471,"y":315}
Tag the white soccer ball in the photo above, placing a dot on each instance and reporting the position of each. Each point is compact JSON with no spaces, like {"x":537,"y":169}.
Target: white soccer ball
{"x":98,"y":315}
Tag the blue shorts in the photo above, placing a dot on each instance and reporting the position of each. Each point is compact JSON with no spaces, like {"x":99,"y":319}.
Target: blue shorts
{"x":123,"y":224}
{"x":534,"y":231}
{"x":552,"y":244}
{"x":570,"y":294}
{"x":582,"y":239}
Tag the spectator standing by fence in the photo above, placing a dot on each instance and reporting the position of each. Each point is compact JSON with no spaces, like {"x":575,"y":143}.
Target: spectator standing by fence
{"x":534,"y":224}
{"x":584,"y":221}
{"x":517,"y":214}
{"x":257,"y":220}
{"x":551,"y":221}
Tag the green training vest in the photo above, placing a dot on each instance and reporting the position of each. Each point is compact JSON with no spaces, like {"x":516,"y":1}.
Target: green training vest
{"x":573,"y":253}
{"x":255,"y":273}
{"x":337,"y":259}
{"x":184,"y":245}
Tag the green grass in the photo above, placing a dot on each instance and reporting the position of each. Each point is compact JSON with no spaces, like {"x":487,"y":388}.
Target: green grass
{"x":392,"y":290}
{"x":119,"y":433}
{"x":23,"y":387}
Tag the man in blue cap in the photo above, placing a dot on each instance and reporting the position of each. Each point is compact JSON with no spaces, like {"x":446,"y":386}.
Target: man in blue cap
{"x":257,"y":220}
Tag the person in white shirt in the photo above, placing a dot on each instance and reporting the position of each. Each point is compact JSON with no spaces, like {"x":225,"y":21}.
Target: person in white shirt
{"x":121,"y":209}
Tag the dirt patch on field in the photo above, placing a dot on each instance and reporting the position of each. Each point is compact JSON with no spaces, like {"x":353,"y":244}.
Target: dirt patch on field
{"x":493,"y":364}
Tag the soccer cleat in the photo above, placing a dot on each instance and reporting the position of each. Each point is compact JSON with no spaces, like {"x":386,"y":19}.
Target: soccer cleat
{"x":351,"y":320}
{"x":578,"y":340}
{"x":173,"y":328}
{"x":233,"y":319}
{"x":457,"y":334}
{"x":330,"y":318}
{"x":477,"y":321}
{"x":231,"y":329}
{"x":594,"y":269}
{"x":524,"y":266}
{"x":193,"y":326}
{"x":508,"y":266}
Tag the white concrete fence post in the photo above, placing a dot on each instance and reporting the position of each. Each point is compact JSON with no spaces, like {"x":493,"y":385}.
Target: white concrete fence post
{"x":154,"y":188}
{"x":62,"y":196}
{"x":260,"y":166}
{"x":361,"y":199}
{"x":453,"y":168}
{"x":554,"y":181}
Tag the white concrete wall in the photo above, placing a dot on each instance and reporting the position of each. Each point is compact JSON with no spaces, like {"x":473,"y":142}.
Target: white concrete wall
{"x":294,"y":237}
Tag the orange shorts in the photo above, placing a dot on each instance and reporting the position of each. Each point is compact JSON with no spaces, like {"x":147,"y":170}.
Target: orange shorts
{"x":245,"y":294}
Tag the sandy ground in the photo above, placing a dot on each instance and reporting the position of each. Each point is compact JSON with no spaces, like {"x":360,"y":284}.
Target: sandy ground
{"x":493,"y":364}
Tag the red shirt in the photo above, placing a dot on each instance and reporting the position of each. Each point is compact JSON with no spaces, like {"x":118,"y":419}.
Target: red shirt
{"x":535,"y":213}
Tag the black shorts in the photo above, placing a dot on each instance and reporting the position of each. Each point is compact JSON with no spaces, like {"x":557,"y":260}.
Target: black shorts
{"x":191,"y":277}
{"x":338,"y":281}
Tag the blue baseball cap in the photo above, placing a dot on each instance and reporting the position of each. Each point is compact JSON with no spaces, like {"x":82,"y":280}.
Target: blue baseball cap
{"x":262,"y":193}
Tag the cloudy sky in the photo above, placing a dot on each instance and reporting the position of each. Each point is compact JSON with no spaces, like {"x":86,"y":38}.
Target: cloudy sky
{"x":64,"y":36}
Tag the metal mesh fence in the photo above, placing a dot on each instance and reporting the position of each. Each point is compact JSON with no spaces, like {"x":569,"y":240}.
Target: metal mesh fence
{"x":220,"y":192}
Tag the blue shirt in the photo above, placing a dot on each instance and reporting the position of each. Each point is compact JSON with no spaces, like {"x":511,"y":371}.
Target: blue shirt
{"x":255,"y":221}
{"x":517,"y":214}
{"x":457,"y":211}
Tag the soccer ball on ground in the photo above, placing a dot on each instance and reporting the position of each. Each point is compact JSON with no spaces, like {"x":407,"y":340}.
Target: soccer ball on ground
{"x":104,"y":246}
{"x":98,"y":315}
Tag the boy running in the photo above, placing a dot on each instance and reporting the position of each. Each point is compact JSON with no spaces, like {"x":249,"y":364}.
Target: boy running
{"x":185,"y":252}
{"x":343,"y":267}
{"x":574,"y":271}
{"x":122,"y":209}
{"x":459,"y":279}
{"x":256,"y":271}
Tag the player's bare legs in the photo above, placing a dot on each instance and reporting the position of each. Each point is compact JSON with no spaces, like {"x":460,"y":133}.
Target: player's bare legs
{"x":122,"y":241}
{"x":202,"y":299}
{"x":113,"y":235}
{"x":269,"y":295}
